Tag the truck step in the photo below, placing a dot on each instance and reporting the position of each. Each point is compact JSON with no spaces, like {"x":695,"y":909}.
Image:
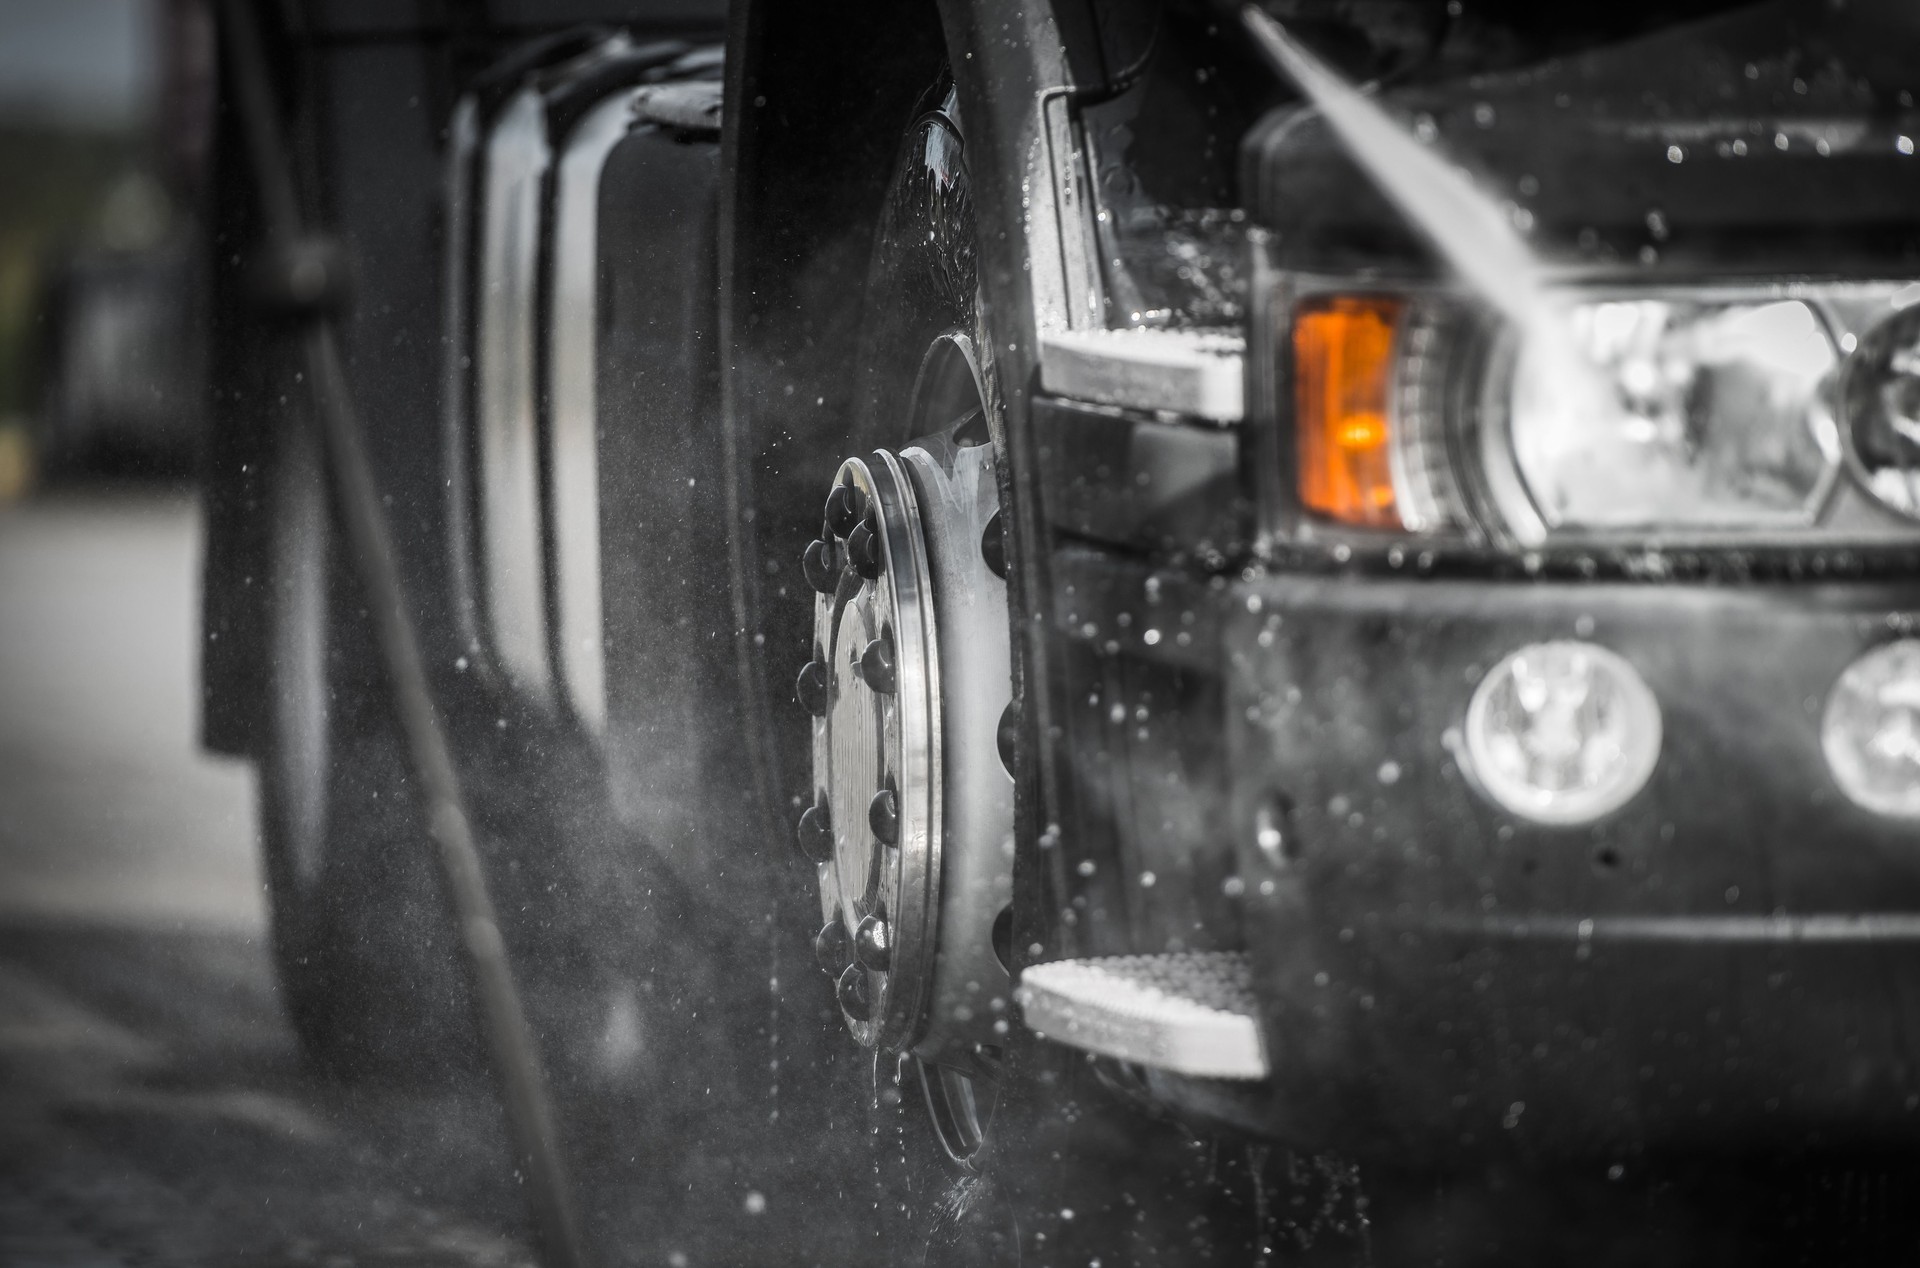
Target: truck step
{"x":1190,"y":1013}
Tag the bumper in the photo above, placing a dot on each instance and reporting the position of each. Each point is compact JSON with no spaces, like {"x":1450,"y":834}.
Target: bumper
{"x":1732,"y":959}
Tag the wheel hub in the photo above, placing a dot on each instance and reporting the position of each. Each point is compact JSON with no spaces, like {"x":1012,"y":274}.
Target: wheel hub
{"x":910,"y":825}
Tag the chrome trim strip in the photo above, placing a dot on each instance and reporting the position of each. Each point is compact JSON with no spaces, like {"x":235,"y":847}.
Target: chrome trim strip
{"x":573,"y":437}
{"x":1773,"y":930}
{"x":457,"y":344}
{"x":507,"y":430}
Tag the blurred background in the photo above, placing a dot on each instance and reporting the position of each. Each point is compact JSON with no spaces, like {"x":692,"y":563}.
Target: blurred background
{"x":104,"y":112}
{"x":113,"y":811}
{"x":154,"y":1109}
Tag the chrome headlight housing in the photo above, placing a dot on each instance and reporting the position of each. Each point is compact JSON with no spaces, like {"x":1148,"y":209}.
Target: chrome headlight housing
{"x":1649,"y":413}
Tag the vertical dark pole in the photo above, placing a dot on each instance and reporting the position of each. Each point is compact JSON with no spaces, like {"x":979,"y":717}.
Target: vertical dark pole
{"x":516,"y":1059}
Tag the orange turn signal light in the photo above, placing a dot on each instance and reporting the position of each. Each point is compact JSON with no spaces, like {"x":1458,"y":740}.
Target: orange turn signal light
{"x":1342,"y":393}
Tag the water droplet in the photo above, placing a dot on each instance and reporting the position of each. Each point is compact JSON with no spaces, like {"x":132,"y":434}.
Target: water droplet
{"x":1675,"y":154}
{"x":1389,"y":772}
{"x":756,"y":1203}
{"x":1150,"y":638}
{"x":1147,"y":879}
{"x":1904,"y":144}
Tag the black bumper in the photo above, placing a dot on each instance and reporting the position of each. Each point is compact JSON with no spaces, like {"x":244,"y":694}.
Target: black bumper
{"x":1731,"y":959}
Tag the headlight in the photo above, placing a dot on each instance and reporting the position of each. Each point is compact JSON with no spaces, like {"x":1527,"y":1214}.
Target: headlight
{"x":1871,"y":730}
{"x":1709,"y":412}
{"x":1562,"y":732}
{"x":1706,"y":417}
{"x":1881,"y":401}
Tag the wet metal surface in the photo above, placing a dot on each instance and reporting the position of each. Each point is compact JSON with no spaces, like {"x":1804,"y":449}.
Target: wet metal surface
{"x":153,"y":1107}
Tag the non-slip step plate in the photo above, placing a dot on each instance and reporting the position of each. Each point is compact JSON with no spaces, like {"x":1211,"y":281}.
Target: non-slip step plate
{"x":1190,"y":1013}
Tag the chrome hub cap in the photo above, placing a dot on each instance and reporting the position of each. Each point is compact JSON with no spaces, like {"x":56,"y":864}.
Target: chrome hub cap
{"x":911,"y":821}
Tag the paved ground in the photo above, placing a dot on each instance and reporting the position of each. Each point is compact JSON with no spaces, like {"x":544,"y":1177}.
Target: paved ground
{"x":152,"y":1107}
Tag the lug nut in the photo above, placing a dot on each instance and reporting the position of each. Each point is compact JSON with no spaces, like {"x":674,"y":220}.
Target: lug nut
{"x":821,"y":564}
{"x":855,"y":994}
{"x":876,"y":665}
{"x":816,"y":832}
{"x":811,"y":688}
{"x":1007,"y":734}
{"x":883,"y":816}
{"x":993,"y":547}
{"x":873,"y":944}
{"x":830,"y":948}
{"x":863,"y":549}
{"x":846,"y":507}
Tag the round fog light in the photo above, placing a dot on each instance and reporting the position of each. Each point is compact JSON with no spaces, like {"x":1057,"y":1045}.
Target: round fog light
{"x":1562,"y":732}
{"x":1871,"y":731}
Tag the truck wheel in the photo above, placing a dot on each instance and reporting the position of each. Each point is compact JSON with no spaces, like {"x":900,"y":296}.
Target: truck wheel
{"x":906,"y":683}
{"x":366,"y":959}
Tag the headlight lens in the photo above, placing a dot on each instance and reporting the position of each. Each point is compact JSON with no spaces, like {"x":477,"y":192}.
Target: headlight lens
{"x":1871,"y":730}
{"x":1708,"y":416}
{"x":1706,"y":412}
{"x":1562,"y":732}
{"x":1881,"y":395}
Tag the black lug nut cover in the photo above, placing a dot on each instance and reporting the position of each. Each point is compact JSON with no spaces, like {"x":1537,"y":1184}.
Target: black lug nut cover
{"x":830,"y":950}
{"x":876,"y":665}
{"x":816,"y":832}
{"x":821,"y":564}
{"x":855,"y":996}
{"x":846,"y":507}
{"x":863,"y":550}
{"x":993,"y":547}
{"x":873,"y":944}
{"x":883,"y":816}
{"x":811,"y":688}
